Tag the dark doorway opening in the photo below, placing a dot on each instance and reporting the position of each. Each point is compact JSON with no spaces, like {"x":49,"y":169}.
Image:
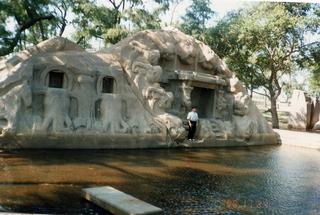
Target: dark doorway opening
{"x":203,"y":99}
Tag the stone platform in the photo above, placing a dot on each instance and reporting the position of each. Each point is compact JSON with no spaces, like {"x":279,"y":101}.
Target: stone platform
{"x":118,"y":202}
{"x":299,"y":138}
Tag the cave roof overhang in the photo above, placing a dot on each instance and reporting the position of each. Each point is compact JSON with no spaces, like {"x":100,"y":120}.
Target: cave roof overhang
{"x":196,"y":79}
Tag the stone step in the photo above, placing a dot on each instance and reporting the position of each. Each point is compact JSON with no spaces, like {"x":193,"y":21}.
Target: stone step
{"x":118,"y":202}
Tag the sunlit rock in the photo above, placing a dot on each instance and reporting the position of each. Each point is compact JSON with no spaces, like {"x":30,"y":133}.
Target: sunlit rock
{"x":304,"y":112}
{"x":135,"y":94}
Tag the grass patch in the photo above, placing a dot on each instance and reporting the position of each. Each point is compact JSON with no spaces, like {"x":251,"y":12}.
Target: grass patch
{"x":283,"y":117}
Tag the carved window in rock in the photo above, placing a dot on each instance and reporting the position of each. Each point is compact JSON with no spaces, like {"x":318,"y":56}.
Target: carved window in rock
{"x":57,"y":79}
{"x":107,"y":85}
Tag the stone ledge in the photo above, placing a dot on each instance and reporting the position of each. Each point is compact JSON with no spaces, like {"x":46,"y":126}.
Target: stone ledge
{"x":118,"y":202}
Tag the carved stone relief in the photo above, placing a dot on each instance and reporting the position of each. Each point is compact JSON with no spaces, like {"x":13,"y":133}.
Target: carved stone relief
{"x":56,"y":114}
{"x":221,"y":104}
{"x":136,"y":93}
{"x":15,"y":106}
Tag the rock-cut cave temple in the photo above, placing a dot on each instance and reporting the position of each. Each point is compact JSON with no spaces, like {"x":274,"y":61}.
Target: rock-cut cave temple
{"x":134,"y":94}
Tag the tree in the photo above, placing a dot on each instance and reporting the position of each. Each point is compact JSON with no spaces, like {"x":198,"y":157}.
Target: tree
{"x":143,"y":19}
{"x":25,"y":16}
{"x":61,"y":9}
{"x":30,"y":22}
{"x":196,"y":17}
{"x":120,"y":8}
{"x":315,"y":81}
{"x":266,"y":41}
{"x":94,"y":21}
{"x":106,"y":23}
{"x":291,"y":83}
{"x":33,"y":21}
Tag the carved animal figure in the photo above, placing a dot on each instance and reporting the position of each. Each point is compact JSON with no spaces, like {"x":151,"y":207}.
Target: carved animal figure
{"x":174,"y":126}
{"x":140,"y":120}
{"x":205,"y":130}
{"x":236,"y":86}
{"x":186,"y":99}
{"x":244,"y":127}
{"x":241,"y":104}
{"x":146,"y":74}
{"x":56,"y":106}
{"x":221,"y":104}
{"x":12,"y":104}
{"x":158,"y":99}
{"x":111,"y":116}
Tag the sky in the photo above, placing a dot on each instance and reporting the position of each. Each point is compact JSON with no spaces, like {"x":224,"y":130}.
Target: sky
{"x":219,"y":6}
{"x":223,"y":6}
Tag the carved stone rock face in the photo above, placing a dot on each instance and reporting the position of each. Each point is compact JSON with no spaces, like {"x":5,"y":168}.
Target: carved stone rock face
{"x":304,"y":112}
{"x":135,"y":94}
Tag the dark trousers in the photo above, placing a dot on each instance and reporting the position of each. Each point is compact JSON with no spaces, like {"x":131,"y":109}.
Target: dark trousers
{"x":192,"y":129}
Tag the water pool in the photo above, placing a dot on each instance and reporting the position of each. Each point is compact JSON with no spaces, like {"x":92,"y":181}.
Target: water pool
{"x":238,"y":180}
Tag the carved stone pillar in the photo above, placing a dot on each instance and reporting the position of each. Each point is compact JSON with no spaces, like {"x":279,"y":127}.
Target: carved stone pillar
{"x":186,"y":98}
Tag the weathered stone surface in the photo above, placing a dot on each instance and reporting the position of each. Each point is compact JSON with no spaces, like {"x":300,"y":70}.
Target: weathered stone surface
{"x":301,"y":111}
{"x":135,"y":94}
{"x":315,"y":120}
{"x":118,"y":202}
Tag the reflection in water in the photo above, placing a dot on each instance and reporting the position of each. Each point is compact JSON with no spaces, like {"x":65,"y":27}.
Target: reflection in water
{"x":245,"y":180}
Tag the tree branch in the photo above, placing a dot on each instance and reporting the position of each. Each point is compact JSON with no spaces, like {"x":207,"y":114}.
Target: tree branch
{"x":80,"y":39}
{"x":16,"y":38}
{"x":262,"y":94}
{"x":34,"y":21}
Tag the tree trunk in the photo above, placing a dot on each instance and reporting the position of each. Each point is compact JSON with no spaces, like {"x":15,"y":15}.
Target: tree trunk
{"x":251,"y":91}
{"x":62,"y":28}
{"x":274,"y":113}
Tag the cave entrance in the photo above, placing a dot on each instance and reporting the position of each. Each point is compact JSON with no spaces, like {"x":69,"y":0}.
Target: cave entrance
{"x":203,"y":99}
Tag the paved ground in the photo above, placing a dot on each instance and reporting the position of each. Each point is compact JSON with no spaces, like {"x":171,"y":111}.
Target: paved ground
{"x":298,"y":138}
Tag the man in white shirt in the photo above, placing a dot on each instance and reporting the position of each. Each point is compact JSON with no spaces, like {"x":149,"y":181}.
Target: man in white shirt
{"x":192,"y":123}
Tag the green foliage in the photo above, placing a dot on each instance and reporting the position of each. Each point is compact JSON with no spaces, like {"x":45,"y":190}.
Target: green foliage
{"x":315,"y":80}
{"x":95,"y":21}
{"x":36,"y":20}
{"x":92,"y":21}
{"x":196,"y":17}
{"x":265,"y":41}
{"x":143,"y":19}
{"x":114,"y":35}
{"x":292,"y":84}
{"x":30,"y":22}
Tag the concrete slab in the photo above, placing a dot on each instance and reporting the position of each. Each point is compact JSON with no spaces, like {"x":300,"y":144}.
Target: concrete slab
{"x":118,"y":202}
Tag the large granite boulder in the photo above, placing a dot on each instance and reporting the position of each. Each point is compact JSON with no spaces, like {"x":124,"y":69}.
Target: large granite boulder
{"x":135,"y":94}
{"x":300,"y":111}
{"x":304,"y":112}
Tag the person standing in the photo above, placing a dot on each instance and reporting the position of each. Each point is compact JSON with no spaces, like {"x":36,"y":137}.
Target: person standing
{"x":192,"y":123}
